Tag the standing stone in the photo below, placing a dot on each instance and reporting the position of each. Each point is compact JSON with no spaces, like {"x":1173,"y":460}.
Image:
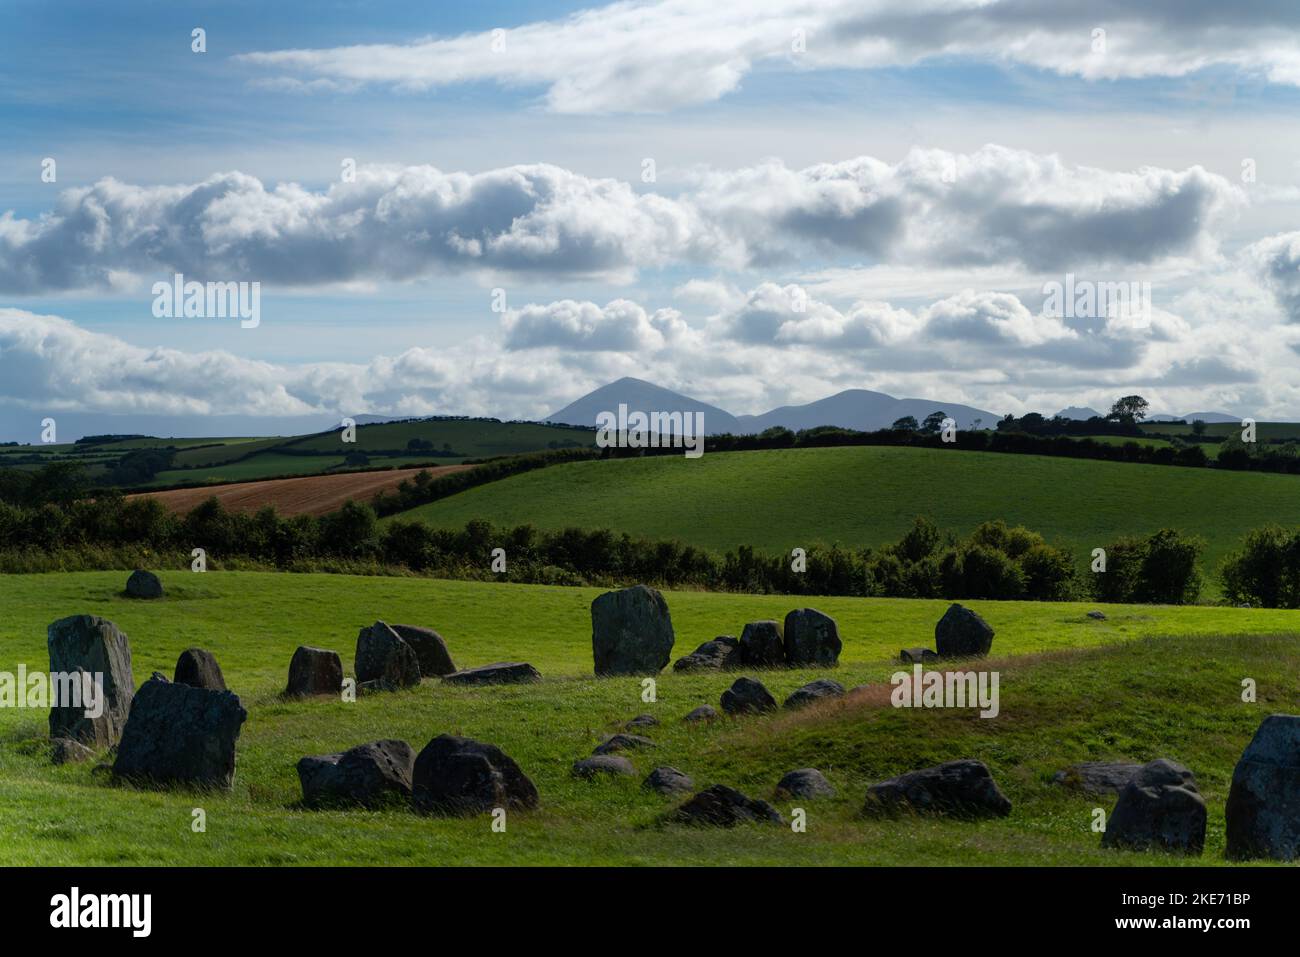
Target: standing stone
{"x":1263,"y":811}
{"x":457,"y":776}
{"x":1161,"y":809}
{"x":180,"y":735}
{"x":963,"y":789}
{"x":804,"y":783}
{"x":747,"y":696}
{"x":314,"y":671}
{"x":384,"y":657}
{"x":721,"y":806}
{"x":961,"y":633}
{"x":199,"y":669}
{"x":143,"y":584}
{"x":762,"y":645}
{"x":429,"y":647}
{"x":819,"y":690}
{"x":720,"y":654}
{"x":811,"y":638}
{"x":368,"y":775}
{"x":86,"y":645}
{"x":631,"y":632}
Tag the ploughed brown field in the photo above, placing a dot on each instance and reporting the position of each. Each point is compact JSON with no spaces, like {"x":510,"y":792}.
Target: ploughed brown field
{"x":308,"y":495}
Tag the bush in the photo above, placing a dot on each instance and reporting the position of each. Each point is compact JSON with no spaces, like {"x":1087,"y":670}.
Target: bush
{"x":1265,"y":571}
{"x":1161,"y":569}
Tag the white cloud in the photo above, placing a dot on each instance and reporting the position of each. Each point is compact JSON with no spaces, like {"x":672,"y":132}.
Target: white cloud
{"x":619,"y":326}
{"x":998,"y":207}
{"x":659,"y":56}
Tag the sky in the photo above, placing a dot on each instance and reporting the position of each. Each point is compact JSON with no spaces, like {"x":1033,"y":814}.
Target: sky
{"x":493,"y":208}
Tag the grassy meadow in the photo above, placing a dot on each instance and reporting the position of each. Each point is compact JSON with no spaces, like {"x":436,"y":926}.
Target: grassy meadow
{"x":1150,"y":681}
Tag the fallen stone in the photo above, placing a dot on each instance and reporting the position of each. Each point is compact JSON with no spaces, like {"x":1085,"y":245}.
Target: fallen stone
{"x":721,"y":806}
{"x":631,"y":632}
{"x":500,"y":673}
{"x":367,"y":775}
{"x":199,"y":669}
{"x":459,"y":776}
{"x":719,"y":654}
{"x":623,"y":742}
{"x":83,"y":648}
{"x":820,"y":690}
{"x":1263,"y":810}
{"x":143,"y":584}
{"x":962,"y":789}
{"x":961,"y":633}
{"x":668,"y":780}
{"x":705,"y":712}
{"x":1097,"y":778}
{"x":916,"y":656}
{"x":1097,"y":615}
{"x":180,"y":735}
{"x":811,"y":638}
{"x":642,"y":721}
{"x":430,"y":649}
{"x":747,"y":696}
{"x":1159,"y":809}
{"x":68,"y":751}
{"x":614,"y":765}
{"x":762,"y":645}
{"x":383,"y":656}
{"x":314,"y":671}
{"x":804,"y":783}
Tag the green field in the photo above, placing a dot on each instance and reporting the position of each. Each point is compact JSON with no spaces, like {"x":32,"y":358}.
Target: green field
{"x":471,"y":438}
{"x":1150,"y":681}
{"x":776,"y":500}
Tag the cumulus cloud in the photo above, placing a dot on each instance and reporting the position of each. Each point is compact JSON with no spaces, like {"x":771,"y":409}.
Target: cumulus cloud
{"x":619,"y":326}
{"x":659,"y":56}
{"x":994,"y":206}
{"x":1276,"y":262}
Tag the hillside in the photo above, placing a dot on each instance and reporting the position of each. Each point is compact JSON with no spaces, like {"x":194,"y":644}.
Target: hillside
{"x":1071,"y":690}
{"x":776,"y":500}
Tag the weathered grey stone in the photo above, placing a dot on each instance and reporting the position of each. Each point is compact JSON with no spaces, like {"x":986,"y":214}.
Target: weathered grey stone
{"x":1097,"y":778}
{"x":180,"y":735}
{"x":961,"y":633}
{"x":719,"y":654}
{"x":631,"y":632}
{"x":1097,"y":615}
{"x":68,"y":751}
{"x":641,"y":721}
{"x":614,"y":765}
{"x":1159,"y":809}
{"x":382,"y":655}
{"x":314,"y":671}
{"x":820,"y":690}
{"x":721,"y":806}
{"x":963,"y":789}
{"x":913,"y":656}
{"x":804,"y":783}
{"x":429,"y":647}
{"x":199,"y":669}
{"x":367,"y":775}
{"x":762,"y":645}
{"x":747,"y":696}
{"x":623,"y":742}
{"x":705,"y":712}
{"x":811,"y":638}
{"x":83,"y":648}
{"x":500,"y":673}
{"x":143,"y":584}
{"x":458,"y":776}
{"x":669,"y":781}
{"x":1263,"y":810}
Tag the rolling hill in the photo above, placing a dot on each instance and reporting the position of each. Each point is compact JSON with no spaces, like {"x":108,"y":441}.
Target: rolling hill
{"x":776,"y":500}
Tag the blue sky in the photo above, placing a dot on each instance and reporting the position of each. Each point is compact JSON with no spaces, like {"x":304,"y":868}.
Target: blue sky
{"x":802,"y":235}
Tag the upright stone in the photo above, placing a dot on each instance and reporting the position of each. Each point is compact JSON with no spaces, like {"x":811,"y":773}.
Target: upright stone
{"x":1161,"y":809}
{"x":384,"y":657}
{"x":631,"y":632}
{"x":314,"y":671}
{"x":1263,"y":810}
{"x":811,"y":638}
{"x":199,"y":669}
{"x":462,"y":776}
{"x":961,"y":633}
{"x":143,"y":584}
{"x":180,"y":735}
{"x":93,"y":647}
{"x":429,"y":647}
{"x":762,"y":645}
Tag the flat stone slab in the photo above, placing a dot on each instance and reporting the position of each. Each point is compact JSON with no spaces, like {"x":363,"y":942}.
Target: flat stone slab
{"x":500,"y":673}
{"x":623,"y":742}
{"x":614,"y":765}
{"x":1097,"y":778}
{"x":666,"y":780}
{"x":721,"y":806}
